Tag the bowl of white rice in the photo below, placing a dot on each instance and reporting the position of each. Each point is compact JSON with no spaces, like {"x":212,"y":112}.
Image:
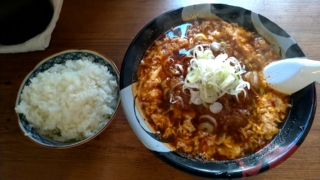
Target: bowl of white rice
{"x":68,"y":99}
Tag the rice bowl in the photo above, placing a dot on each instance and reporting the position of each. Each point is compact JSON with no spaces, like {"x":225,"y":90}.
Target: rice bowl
{"x":68,"y":99}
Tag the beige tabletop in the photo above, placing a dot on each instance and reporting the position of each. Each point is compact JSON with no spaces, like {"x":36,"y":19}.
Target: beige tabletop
{"x":108,"y":27}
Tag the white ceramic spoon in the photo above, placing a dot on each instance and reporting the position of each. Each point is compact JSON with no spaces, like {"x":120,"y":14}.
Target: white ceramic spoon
{"x":290,"y":75}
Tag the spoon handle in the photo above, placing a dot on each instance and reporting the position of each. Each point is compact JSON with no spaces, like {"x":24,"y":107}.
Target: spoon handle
{"x":312,"y":69}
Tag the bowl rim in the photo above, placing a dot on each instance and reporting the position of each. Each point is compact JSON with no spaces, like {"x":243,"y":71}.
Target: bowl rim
{"x":166,"y":157}
{"x":76,"y":143}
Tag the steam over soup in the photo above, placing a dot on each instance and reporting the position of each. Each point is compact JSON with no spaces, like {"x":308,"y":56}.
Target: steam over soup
{"x":200,"y":86}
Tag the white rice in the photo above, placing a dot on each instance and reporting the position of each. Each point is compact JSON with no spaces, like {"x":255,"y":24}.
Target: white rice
{"x":70,"y":101}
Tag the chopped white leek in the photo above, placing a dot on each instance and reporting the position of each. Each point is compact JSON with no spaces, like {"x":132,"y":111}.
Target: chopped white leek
{"x":215,"y":46}
{"x":211,"y":77}
{"x":216,"y":107}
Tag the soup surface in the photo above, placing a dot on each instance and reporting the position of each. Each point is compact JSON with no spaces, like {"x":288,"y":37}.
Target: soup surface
{"x":211,"y":123}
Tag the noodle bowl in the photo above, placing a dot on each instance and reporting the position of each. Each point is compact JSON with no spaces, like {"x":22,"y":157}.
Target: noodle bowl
{"x":201,"y":89}
{"x":248,"y":125}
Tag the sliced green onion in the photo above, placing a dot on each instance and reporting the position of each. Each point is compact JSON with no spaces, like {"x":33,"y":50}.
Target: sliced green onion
{"x":212,"y":77}
{"x":193,"y":76}
{"x":227,"y":82}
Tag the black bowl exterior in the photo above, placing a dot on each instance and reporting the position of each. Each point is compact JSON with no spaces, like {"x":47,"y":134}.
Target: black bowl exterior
{"x":294,"y":130}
